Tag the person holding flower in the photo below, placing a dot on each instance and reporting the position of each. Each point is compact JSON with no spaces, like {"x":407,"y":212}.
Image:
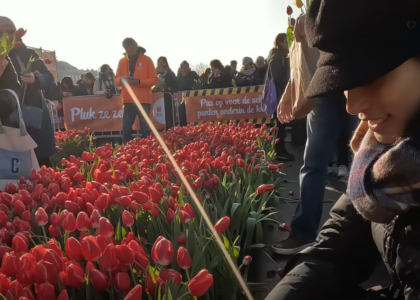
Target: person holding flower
{"x":105,"y":84}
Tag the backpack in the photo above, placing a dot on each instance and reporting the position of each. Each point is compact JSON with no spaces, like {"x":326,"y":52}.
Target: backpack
{"x":269,"y":96}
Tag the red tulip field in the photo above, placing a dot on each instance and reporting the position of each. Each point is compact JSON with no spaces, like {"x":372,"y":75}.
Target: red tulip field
{"x":116,"y":222}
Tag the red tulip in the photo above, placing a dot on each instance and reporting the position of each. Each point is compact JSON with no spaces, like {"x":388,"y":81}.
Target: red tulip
{"x":20,"y":33}
{"x":155,"y":211}
{"x":289,"y":10}
{"x":142,"y":260}
{"x":51,"y":272}
{"x":18,"y":207}
{"x":102,"y":202}
{"x":168,"y":274}
{"x":15,"y":289}
{"x":135,"y":294}
{"x":181,"y":240}
{"x":247,"y":260}
{"x":200,"y":284}
{"x":285,"y":227}
{"x":99,"y":280}
{"x":222,"y":225}
{"x":75,"y":275}
{"x":55,"y":220}
{"x":90,"y":249}
{"x":140,"y":197}
{"x":184,"y":216}
{"x":63,"y":295}
{"x":53,"y":232}
{"x":45,"y":291}
{"x":69,"y":223}
{"x":82,"y":221}
{"x":125,"y":254}
{"x":105,"y":227}
{"x":135,"y":246}
{"x":122,"y":282}
{"x":73,"y":249}
{"x":183,"y":258}
{"x":264,"y":188}
{"x":41,"y":273}
{"x":127,"y":219}
{"x":190,"y":210}
{"x":162,"y":251}
{"x":94,"y":218}
{"x":3,"y":219}
{"x":19,"y":244}
{"x":25,"y":272}
{"x":154,"y":194}
{"x":26,"y":216}
{"x":55,"y":259}
{"x":109,"y":259}
{"x":4,"y":284}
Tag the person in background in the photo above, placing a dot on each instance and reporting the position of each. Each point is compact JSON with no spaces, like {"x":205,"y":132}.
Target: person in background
{"x":249,"y":75}
{"x":35,"y":80}
{"x":68,"y":89}
{"x":260,"y":62}
{"x":219,"y":78}
{"x":279,"y":69}
{"x":8,"y":76}
{"x":105,"y":84}
{"x":187,"y":79}
{"x":205,"y":76}
{"x":228,"y":70}
{"x":138,"y":71}
{"x":87,"y":87}
{"x":81,"y":80}
{"x":166,"y":77}
{"x":168,"y":85}
{"x":234,"y":67}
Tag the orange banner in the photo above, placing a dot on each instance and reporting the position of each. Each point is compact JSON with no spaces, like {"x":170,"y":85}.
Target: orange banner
{"x":224,"y":107}
{"x":52,"y":67}
{"x":102,"y":115}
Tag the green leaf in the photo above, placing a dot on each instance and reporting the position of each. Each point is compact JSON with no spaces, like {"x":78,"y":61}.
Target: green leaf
{"x":2,"y":297}
{"x":118,"y":231}
{"x":226,"y":242}
{"x":112,"y":168}
{"x":181,"y":196}
{"x":290,"y":36}
{"x":169,"y":295}
{"x":250,"y":227}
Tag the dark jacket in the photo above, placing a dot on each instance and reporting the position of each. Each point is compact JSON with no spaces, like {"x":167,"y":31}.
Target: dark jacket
{"x":223,"y":81}
{"x":256,"y":78}
{"x":8,"y":80}
{"x":347,"y":250}
{"x":186,"y":83}
{"x":171,"y":85}
{"x":44,"y":80}
{"x":279,"y":69}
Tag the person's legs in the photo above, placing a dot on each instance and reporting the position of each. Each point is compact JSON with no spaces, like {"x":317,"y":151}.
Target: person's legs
{"x":44,"y":161}
{"x":144,"y":127}
{"x":323,"y":127}
{"x":343,"y":142}
{"x":169,"y":110}
{"x":130,"y":111}
{"x":280,"y":147}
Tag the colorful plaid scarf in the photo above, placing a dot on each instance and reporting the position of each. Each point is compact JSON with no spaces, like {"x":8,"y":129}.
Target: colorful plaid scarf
{"x":385,"y":180}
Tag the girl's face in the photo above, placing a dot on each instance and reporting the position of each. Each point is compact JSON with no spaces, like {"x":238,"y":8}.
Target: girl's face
{"x":161,"y":64}
{"x":88,"y":81}
{"x":108,"y":71}
{"x":389,"y":103}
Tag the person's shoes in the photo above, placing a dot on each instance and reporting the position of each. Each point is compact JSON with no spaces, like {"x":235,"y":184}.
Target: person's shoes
{"x":285,"y":156}
{"x":342,"y":171}
{"x":291,"y":246}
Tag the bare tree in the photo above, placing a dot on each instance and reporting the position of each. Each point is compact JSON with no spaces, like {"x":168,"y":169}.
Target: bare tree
{"x":200,"y":67}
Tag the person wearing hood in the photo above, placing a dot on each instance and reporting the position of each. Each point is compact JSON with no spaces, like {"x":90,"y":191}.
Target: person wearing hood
{"x":187,"y":79}
{"x":279,"y":70}
{"x":104,"y":84}
{"x":137,"y":70}
{"x":249,"y":74}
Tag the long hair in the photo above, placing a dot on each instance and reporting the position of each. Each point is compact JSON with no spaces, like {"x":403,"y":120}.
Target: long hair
{"x":67,"y":80}
{"x":165,"y":60}
{"x":104,"y":67}
{"x":217,"y":64}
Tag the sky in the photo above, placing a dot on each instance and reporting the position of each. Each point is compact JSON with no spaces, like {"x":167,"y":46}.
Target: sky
{"x":89,"y":33}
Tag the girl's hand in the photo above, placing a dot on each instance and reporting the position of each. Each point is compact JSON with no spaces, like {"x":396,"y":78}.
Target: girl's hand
{"x":28,"y":78}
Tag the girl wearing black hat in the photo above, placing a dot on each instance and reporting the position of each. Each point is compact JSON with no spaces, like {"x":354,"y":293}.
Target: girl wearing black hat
{"x":371,"y":51}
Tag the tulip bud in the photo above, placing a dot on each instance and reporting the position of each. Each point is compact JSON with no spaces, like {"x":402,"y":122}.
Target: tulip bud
{"x":183,"y":258}
{"x":162,"y":251}
{"x":135,"y":294}
{"x":285,"y":227}
{"x":222,"y":225}
{"x":127,"y":219}
{"x":41,"y":217}
{"x":246,"y":261}
{"x":105,"y":227}
{"x":200,"y":284}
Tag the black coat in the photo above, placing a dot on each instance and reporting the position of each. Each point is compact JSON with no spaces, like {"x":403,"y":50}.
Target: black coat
{"x":256,"y":78}
{"x":223,"y":81}
{"x":8,"y":80}
{"x":347,"y":250}
{"x":279,"y":70}
{"x":44,"y":80}
{"x":186,"y":83}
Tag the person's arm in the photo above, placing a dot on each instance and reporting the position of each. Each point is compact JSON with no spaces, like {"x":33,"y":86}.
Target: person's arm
{"x":43,"y":79}
{"x":241,"y":80}
{"x":343,"y":257}
{"x":97,"y":87}
{"x":171,"y":82}
{"x":151,"y":79}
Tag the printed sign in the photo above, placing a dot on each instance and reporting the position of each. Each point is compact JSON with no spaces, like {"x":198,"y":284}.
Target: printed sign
{"x":224,"y":107}
{"x":102,"y":115}
{"x":52,"y":67}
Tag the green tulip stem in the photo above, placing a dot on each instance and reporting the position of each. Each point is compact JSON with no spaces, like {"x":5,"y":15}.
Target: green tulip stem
{"x":66,"y":236}
{"x":111,"y":283}
{"x":132,"y":277}
{"x":188,"y":275}
{"x":43,"y":232}
{"x":131,"y":228}
{"x":186,"y":294}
